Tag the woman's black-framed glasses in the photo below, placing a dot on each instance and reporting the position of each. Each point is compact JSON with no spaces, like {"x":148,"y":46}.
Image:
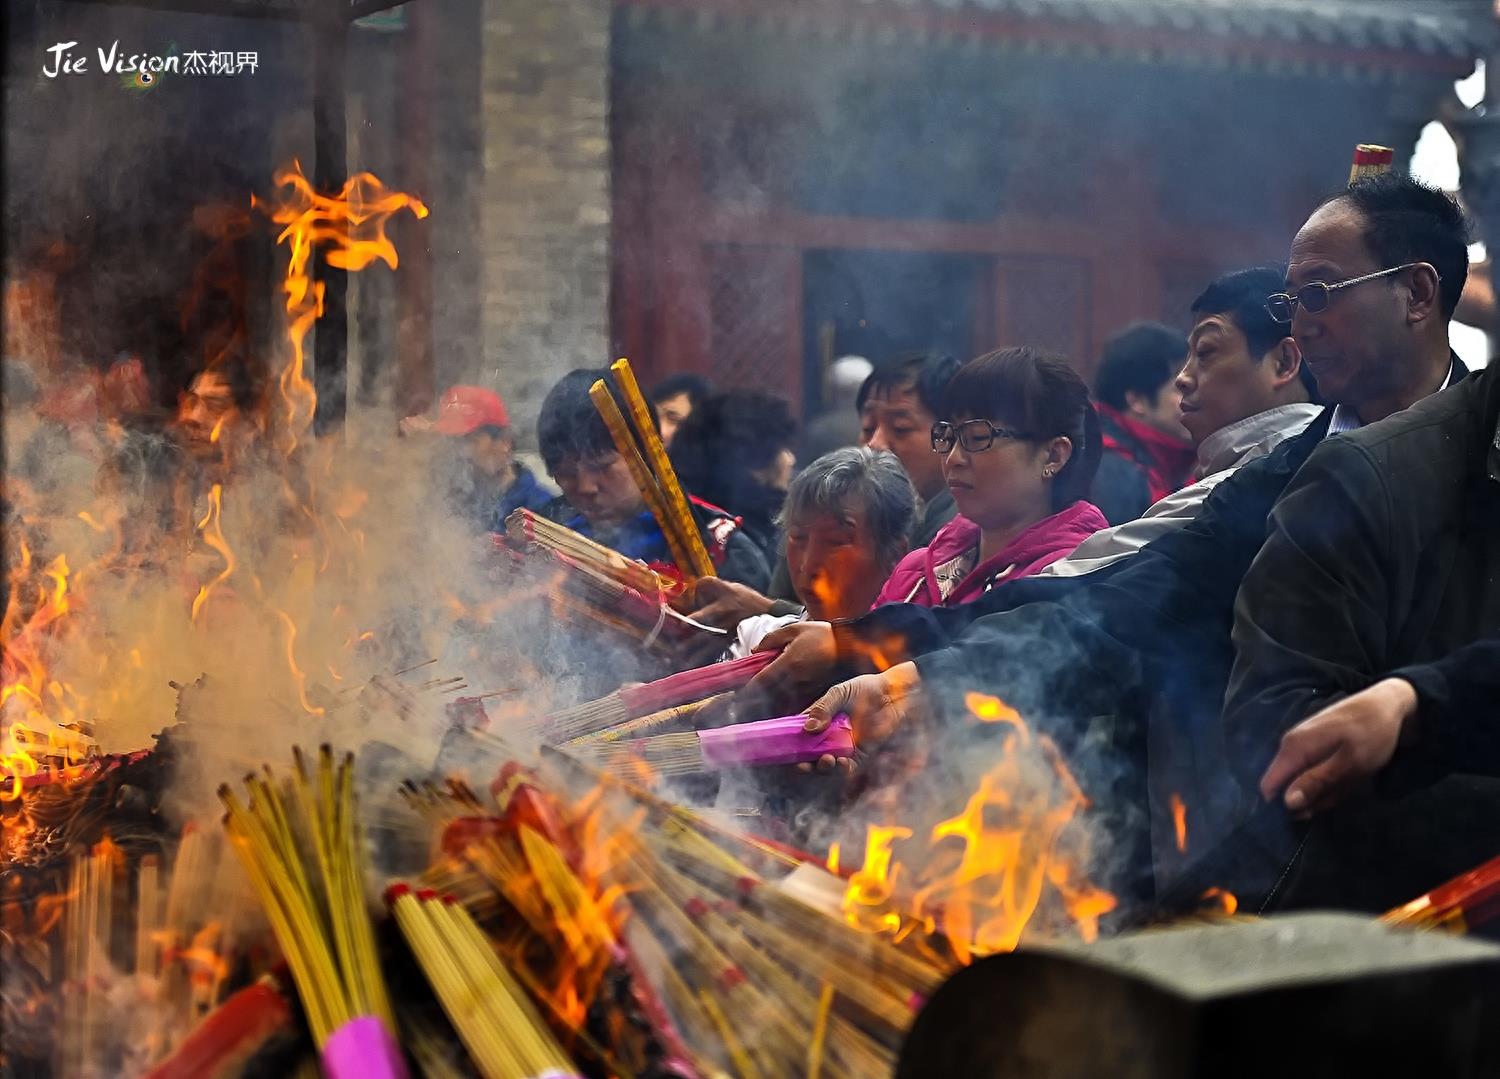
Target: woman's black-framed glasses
{"x":975,"y":436}
{"x":1315,"y":296}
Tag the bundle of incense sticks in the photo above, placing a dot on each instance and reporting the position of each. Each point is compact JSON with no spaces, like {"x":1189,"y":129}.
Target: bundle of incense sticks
{"x":526,"y":526}
{"x":763,"y":744}
{"x":1464,"y":903}
{"x":643,"y":700}
{"x":504,"y":1033}
{"x":655,"y":723}
{"x":750,"y":980}
{"x":1370,"y":160}
{"x":300,"y":844}
{"x":593,"y":586}
{"x":652,"y":471}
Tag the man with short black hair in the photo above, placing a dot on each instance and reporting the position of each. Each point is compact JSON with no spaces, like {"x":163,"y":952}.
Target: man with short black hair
{"x":1147,"y":455}
{"x":1244,"y":391}
{"x":600,"y":499}
{"x":902,"y":398}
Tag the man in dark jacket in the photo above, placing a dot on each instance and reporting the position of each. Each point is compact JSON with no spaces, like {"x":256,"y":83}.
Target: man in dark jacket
{"x":1153,"y":635}
{"x":1384,"y":556}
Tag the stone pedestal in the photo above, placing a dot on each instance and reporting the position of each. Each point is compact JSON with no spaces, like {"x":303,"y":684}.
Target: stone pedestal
{"x":1309,"y":995}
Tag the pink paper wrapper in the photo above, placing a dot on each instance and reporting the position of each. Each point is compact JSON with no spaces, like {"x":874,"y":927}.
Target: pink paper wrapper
{"x":363,"y":1049}
{"x":774,"y":741}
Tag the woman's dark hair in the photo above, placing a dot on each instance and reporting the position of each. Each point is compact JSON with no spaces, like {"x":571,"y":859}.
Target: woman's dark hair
{"x":728,"y":436}
{"x":1040,"y":394}
{"x":695,"y":386}
{"x":569,"y":427}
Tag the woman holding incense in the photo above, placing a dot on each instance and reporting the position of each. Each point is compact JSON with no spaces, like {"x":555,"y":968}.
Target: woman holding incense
{"x":849,"y":518}
{"x":1020,"y":444}
{"x":600,"y":498}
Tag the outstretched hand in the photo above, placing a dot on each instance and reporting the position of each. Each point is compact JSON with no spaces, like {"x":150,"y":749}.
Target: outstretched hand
{"x":880,"y":708}
{"x":1330,"y":754}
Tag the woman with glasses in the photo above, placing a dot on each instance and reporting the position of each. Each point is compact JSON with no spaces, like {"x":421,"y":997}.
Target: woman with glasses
{"x":1020,"y":445}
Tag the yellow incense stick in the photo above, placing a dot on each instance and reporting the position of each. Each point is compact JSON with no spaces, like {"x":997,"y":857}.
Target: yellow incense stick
{"x":820,"y":1032}
{"x":699,"y":564}
{"x":651,"y":492}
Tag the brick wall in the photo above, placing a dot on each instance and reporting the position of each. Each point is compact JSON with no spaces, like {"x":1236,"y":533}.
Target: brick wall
{"x":544,"y":204}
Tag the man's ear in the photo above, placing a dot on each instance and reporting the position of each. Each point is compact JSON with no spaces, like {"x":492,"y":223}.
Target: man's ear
{"x":1425,"y":297}
{"x":1286,"y":361}
{"x":1137,"y":404}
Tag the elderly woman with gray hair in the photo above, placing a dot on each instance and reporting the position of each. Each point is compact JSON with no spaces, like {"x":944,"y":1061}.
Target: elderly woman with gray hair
{"x":849,"y":518}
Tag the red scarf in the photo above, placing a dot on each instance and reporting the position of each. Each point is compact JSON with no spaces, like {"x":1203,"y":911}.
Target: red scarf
{"x":1168,"y":461}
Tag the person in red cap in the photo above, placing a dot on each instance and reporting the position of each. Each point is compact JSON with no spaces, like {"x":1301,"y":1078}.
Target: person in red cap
{"x":486,"y":477}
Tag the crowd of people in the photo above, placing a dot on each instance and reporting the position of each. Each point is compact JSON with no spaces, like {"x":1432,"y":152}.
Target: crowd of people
{"x":1257,"y":567}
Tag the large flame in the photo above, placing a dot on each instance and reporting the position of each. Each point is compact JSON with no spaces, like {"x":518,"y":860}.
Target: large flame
{"x":47,"y":627}
{"x":982,"y":875}
{"x":350,"y":227}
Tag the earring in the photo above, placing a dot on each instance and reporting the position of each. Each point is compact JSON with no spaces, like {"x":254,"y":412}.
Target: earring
{"x":1047,"y":472}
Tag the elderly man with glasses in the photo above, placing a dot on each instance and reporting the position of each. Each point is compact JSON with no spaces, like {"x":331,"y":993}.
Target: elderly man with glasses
{"x":1146,"y":642}
{"x":1356,"y":627}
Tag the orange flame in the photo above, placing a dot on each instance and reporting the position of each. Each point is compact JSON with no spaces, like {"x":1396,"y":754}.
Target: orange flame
{"x":989,"y":709}
{"x":1225,"y":902}
{"x":987,"y":870}
{"x":213,"y":535}
{"x":867,"y":898}
{"x":42,"y":702}
{"x":351,"y":225}
{"x":1179,"y":821}
{"x":298,"y":678}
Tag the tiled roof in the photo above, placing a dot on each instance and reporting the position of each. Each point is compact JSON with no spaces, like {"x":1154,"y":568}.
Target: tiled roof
{"x":1435,"y":27}
{"x":1291,"y":35}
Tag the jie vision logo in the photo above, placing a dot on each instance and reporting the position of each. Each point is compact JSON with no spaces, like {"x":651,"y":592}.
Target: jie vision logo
{"x":141,"y":70}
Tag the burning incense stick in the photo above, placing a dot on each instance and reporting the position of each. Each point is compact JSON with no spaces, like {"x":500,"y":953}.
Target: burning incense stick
{"x":1468,"y":900}
{"x":763,"y":744}
{"x":534,"y":529}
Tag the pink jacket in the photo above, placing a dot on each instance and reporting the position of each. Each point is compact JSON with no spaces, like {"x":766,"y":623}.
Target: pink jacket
{"x":914,"y":580}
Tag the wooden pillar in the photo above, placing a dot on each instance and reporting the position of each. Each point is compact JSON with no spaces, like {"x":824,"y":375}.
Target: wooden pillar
{"x":414,"y":341}
{"x":330,"y":171}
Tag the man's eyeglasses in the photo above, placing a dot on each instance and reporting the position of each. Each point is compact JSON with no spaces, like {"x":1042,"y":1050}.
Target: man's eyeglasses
{"x":975,"y":436}
{"x":1315,"y":296}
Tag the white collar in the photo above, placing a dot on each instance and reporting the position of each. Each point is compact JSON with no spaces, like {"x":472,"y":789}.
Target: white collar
{"x":1346,"y":419}
{"x":1227,"y":446}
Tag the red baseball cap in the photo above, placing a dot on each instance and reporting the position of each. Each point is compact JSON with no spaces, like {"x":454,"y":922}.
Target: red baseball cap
{"x":465,"y":409}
